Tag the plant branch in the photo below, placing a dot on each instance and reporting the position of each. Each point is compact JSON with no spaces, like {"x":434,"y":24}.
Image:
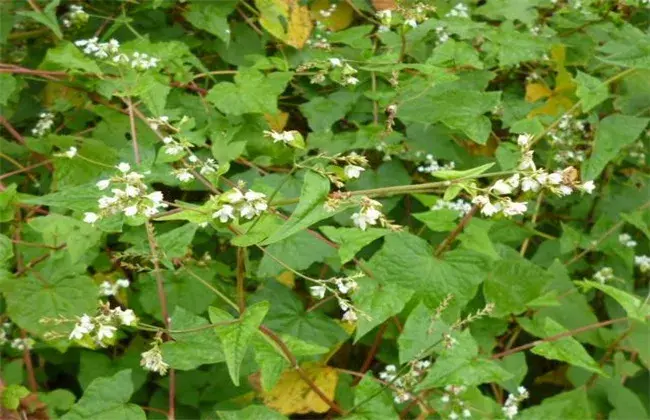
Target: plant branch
{"x":454,"y":234}
{"x":134,"y":134}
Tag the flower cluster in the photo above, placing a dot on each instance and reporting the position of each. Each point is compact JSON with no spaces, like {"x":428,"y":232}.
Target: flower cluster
{"x":528,"y":179}
{"x":339,"y":287}
{"x":385,"y":18}
{"x":234,"y":203}
{"x":111,"y":49}
{"x":415,"y":14}
{"x":290,"y":138}
{"x":112,"y":289}
{"x":70,"y":153}
{"x":132,"y":200}
{"x":603,"y":275}
{"x":442,"y":34}
{"x":403,"y":384}
{"x":511,"y":406}
{"x":565,"y":138}
{"x":100,"y":329}
{"x":44,"y":124}
{"x":152,"y":359}
{"x":643,"y":262}
{"x":636,"y":151}
{"x":626,"y":240}
{"x":431,"y":165}
{"x":75,"y":17}
{"x":452,"y":399}
{"x":327,"y":13}
{"x":354,"y":165}
{"x":21,"y":344}
{"x":461,"y":206}
{"x":368,"y":214}
{"x":459,"y":10}
{"x":319,"y":38}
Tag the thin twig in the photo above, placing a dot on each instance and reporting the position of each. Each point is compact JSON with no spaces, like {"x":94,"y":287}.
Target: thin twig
{"x":373,"y":351}
{"x":452,"y":236}
{"x":134,"y":134}
{"x":241,"y":274}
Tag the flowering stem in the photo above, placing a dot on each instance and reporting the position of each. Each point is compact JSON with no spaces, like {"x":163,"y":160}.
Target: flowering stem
{"x":213,"y":289}
{"x":153,"y":247}
{"x":241,"y":274}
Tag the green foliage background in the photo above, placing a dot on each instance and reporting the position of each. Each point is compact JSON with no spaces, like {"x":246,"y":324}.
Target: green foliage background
{"x":238,"y":68}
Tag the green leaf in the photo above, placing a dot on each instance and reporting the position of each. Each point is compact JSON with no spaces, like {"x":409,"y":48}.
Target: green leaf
{"x":211,"y":17}
{"x":47,"y":17}
{"x":236,"y":337}
{"x":513,"y":283}
{"x":572,"y":405}
{"x":310,"y":208}
{"x":251,"y":412}
{"x":107,"y":399}
{"x":66,"y":56}
{"x":640,"y":220}
{"x":155,"y":97}
{"x":352,"y":240}
{"x":590,"y":90}
{"x":301,"y":249}
{"x":6,"y":249}
{"x":8,"y":85}
{"x":566,"y":349}
{"x":78,"y":236}
{"x":323,"y":111}
{"x":80,"y":198}
{"x":379,"y":302}
{"x":57,"y":401}
{"x":407,"y":261}
{"x":174,"y":243}
{"x":12,"y":394}
{"x":373,"y":400}
{"x":63,"y":292}
{"x":451,"y":369}
{"x":193,"y":348}
{"x":613,"y":133}
{"x":420,"y":332}
{"x":455,"y":54}
{"x":634,"y":306}
{"x":252,"y":92}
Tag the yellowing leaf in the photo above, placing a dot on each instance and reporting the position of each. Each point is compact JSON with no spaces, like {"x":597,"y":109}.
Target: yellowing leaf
{"x":554,"y":106}
{"x":384,"y":4}
{"x":287,"y":20}
{"x":57,"y":92}
{"x":341,"y":18}
{"x":536,"y":91}
{"x":278,"y":121}
{"x":288,"y":279}
{"x":292,"y":395}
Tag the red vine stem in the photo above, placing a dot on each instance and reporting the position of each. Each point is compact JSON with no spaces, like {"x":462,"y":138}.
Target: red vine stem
{"x":162,"y":297}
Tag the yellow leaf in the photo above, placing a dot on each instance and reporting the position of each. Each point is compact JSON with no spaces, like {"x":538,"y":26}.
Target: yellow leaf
{"x":536,"y":91}
{"x":292,"y":395}
{"x":341,"y":18}
{"x":278,"y":121}
{"x":384,"y":4}
{"x":288,"y":279}
{"x":59,"y":92}
{"x":554,"y":106}
{"x":287,"y":20}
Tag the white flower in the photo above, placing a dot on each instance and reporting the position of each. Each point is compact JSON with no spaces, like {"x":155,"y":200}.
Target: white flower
{"x":513,"y":208}
{"x":626,"y":239}
{"x":124,"y":167}
{"x":513,"y":181}
{"x":105,"y":331}
{"x":90,"y":217}
{"x":132,"y":191}
{"x":317,"y":291}
{"x":124,"y":283}
{"x":510,"y":411}
{"x":529,"y":184}
{"x":467,"y":413}
{"x":71,"y":152}
{"x":225,"y":213}
{"x":445,"y":398}
{"x":353,"y":171}
{"x":564,"y":190}
{"x":351,"y":80}
{"x":184,"y":175}
{"x":247,"y":211}
{"x":350,"y":316}
{"x":284,"y":137}
{"x":173,"y":149}
{"x":335,"y":62}
{"x":103,"y":184}
{"x":411,"y":22}
{"x":643,"y":262}
{"x":253,"y":196}
{"x":126,"y":317}
{"x":523,"y":391}
{"x":523,"y":140}
{"x":152,"y":360}
{"x":168,"y":139}
{"x":588,"y":187}
{"x":193,"y":158}
{"x":107,"y":289}
{"x":131,"y":211}
{"x":527,"y":161}
{"x":501,"y":187}
{"x":156,"y":196}
{"x":555,"y":178}
{"x":481,"y":200}
{"x":453,"y":415}
{"x":234,"y":196}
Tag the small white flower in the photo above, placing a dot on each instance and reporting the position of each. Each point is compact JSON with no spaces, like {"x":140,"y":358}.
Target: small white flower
{"x":523,"y":140}
{"x":132,"y":191}
{"x":253,"y":196}
{"x":173,"y":149}
{"x":555,"y":178}
{"x":335,"y":62}
{"x":156,"y":196}
{"x":105,"y":331}
{"x":234,"y":196}
{"x":103,"y":184}
{"x":501,"y":187}
{"x":445,"y":398}
{"x":564,"y":190}
{"x":247,"y":211}
{"x":90,"y":217}
{"x":193,"y":158}
{"x":514,"y":208}
{"x":184,"y":175}
{"x":107,"y":289}
{"x":351,"y":80}
{"x":588,"y":187}
{"x":168,"y":140}
{"x":411,"y":22}
{"x":453,"y":415}
{"x":152,"y":360}
{"x":225,"y":213}
{"x":529,"y":184}
{"x":317,"y":291}
{"x":353,"y":171}
{"x":467,"y":413}
{"x":126,"y":317}
{"x":71,"y":152}
{"x":131,"y":211}
{"x":350,"y":316}
{"x":124,"y":167}
{"x":481,"y":200}
{"x":124,"y":283}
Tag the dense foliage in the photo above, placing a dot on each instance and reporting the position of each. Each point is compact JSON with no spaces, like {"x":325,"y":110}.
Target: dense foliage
{"x":370,"y":209}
